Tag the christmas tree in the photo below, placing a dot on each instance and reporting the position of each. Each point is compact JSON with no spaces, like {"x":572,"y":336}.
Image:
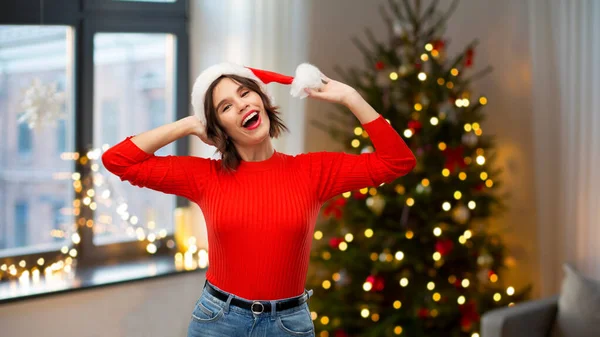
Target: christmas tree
{"x":414,"y":257}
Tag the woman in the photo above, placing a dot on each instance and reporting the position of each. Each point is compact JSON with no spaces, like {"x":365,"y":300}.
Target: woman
{"x":260,"y":205}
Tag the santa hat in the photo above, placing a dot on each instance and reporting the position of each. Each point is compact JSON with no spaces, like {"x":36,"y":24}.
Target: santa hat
{"x":307,"y":76}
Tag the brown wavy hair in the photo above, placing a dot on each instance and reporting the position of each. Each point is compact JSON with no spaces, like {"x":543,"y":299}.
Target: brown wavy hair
{"x":230,"y":158}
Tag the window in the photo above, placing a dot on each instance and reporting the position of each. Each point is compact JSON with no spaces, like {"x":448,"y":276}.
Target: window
{"x":94,"y":73}
{"x":21,"y":228}
{"x":37,"y":109}
{"x":133,"y":84}
{"x":24,"y":139}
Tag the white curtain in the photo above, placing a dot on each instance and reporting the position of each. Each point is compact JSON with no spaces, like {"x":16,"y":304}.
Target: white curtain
{"x":565,"y":48}
{"x":265,"y":34}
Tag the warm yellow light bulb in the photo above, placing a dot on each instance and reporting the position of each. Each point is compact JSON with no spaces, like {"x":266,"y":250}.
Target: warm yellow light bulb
{"x":368,"y":232}
{"x":398,"y":330}
{"x":433,"y":121}
{"x":482,"y":100}
{"x":326,"y":284}
{"x":472,"y":204}
{"x":393,"y":76}
{"x":446,"y":206}
{"x":318,"y":235}
{"x":454,"y":71}
{"x":365,"y":313}
{"x":418,"y":107}
{"x":429,"y":47}
{"x":408,"y":133}
{"x":462,"y":176}
{"x":349,"y":237}
{"x":480,"y":160}
{"x":409,"y":235}
{"x":422,"y":76}
{"x":457,"y":195}
{"x":465,"y":283}
{"x":355,"y":143}
{"x":497,"y":297}
{"x":510,"y":291}
{"x":404,"y":282}
{"x":430,"y":286}
{"x":410,"y":201}
{"x":343,"y":246}
{"x":436,"y":296}
{"x":367,"y":286}
{"x":399,"y":255}
{"x":437,"y":231}
{"x":437,"y":256}
{"x":358,"y":131}
{"x":397,"y":304}
{"x":446,"y":172}
{"x":461,"y":300}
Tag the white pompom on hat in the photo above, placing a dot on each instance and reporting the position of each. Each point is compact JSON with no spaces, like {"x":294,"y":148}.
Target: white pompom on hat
{"x":307,"y":76}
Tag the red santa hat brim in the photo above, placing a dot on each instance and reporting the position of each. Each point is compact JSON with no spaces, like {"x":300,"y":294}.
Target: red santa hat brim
{"x":307,"y":76}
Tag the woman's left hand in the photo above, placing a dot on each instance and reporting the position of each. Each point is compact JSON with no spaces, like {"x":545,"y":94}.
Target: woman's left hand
{"x":334,"y":92}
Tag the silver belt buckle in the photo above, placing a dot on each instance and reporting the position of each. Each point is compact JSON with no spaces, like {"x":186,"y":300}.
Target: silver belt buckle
{"x":262,"y":308}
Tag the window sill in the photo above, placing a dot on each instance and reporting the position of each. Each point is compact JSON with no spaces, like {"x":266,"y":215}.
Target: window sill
{"x":94,"y":277}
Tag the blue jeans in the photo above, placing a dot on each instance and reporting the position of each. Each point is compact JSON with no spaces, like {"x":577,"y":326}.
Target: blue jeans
{"x":213,"y":317}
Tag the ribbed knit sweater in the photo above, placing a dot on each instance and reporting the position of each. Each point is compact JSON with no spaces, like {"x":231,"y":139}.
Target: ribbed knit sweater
{"x":261,"y":218}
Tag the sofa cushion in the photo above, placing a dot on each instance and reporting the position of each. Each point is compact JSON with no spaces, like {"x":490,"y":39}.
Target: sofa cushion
{"x":578,"y":306}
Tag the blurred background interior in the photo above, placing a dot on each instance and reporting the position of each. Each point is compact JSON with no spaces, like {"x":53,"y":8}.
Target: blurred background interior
{"x":84,"y":254}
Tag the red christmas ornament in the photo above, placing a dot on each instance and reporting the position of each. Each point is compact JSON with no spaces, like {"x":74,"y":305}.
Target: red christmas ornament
{"x":418,"y":66}
{"x":415,"y":126}
{"x":379,"y":65}
{"x":423,"y":313}
{"x":376,"y":281}
{"x":439,"y":44}
{"x":479,"y":187}
{"x":490,"y":273}
{"x":469,"y":315}
{"x":359,"y":196}
{"x":444,"y":246}
{"x":335,"y":242}
{"x":335,"y":207}
{"x":340,"y":333}
{"x":469,"y":57}
{"x":454,"y":157}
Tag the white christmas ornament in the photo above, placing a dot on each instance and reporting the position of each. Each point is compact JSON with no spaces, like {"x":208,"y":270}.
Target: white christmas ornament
{"x":43,"y":105}
{"x":469,"y":139}
{"x":461,"y":214}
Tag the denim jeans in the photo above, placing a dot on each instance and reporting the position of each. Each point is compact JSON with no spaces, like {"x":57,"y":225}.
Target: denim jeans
{"x":213,"y":317}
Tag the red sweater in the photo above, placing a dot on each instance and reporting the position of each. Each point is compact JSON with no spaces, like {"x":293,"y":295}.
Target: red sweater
{"x":260,"y":220}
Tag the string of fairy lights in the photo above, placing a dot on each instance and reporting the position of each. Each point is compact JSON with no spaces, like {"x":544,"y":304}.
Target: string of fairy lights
{"x":95,"y":192}
{"x":370,"y":194}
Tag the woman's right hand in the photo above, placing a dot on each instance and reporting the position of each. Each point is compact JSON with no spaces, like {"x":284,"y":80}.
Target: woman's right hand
{"x":198,"y":129}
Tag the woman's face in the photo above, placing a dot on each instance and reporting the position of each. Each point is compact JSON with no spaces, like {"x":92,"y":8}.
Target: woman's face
{"x":241,"y":112}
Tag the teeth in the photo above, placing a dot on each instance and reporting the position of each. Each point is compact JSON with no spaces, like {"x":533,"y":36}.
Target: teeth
{"x":248,"y":118}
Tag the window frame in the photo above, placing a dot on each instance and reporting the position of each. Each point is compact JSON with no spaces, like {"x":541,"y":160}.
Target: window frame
{"x":88,"y":17}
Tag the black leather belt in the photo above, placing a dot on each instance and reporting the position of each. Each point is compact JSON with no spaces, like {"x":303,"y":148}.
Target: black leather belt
{"x":257,"y":307}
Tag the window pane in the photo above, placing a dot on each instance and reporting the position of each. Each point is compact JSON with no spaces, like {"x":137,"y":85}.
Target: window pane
{"x":133,"y":83}
{"x":36,"y":115}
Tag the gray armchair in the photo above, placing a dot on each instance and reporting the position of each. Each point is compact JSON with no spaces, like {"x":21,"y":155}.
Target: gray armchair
{"x":528,"y":319}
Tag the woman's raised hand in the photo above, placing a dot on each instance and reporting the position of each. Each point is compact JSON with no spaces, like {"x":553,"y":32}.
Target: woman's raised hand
{"x":334,"y":92}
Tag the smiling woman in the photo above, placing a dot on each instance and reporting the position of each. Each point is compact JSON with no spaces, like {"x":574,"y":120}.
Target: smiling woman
{"x":242,"y":119}
{"x":260,"y":212}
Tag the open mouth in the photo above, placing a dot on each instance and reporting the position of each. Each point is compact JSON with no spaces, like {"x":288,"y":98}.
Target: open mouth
{"x":252,"y":121}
